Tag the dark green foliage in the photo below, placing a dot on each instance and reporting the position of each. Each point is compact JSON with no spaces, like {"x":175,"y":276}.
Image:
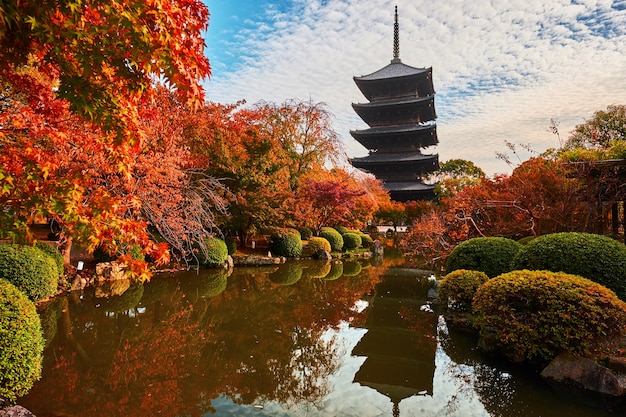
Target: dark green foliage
{"x":287,"y":274}
{"x":351,"y":241}
{"x":491,"y":255}
{"x":53,"y":253}
{"x":458,"y":288}
{"x":342,"y":230}
{"x":525,"y":240}
{"x":30,"y":270}
{"x":333,"y":237}
{"x":286,"y":243}
{"x":217,"y":252}
{"x":336,"y":271}
{"x":49,"y":313}
{"x":21,"y":343}
{"x":317,"y":244}
{"x":596,"y":257}
{"x":231,"y":245}
{"x":352,"y":268}
{"x":305,"y":232}
{"x":366,"y":240}
{"x":100,"y":255}
{"x":535,"y":315}
{"x":206,"y":284}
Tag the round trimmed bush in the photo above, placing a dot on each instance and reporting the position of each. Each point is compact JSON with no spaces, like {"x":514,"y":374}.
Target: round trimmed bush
{"x":525,"y":240}
{"x":22,"y":343}
{"x":336,"y":271}
{"x":366,"y":240}
{"x":217,"y":252}
{"x":333,"y":237}
{"x":351,"y":241}
{"x":286,"y":243}
{"x":287,"y":274}
{"x":305,"y":232}
{"x":491,"y":255}
{"x":30,"y":270}
{"x":535,"y":315}
{"x":318,"y":244}
{"x":596,"y":257}
{"x":53,"y":253}
{"x":458,"y":288}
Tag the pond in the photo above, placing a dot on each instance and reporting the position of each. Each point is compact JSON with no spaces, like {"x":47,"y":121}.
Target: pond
{"x":305,"y":338}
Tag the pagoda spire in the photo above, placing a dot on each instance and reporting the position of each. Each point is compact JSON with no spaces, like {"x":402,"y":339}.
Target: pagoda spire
{"x":396,"y":39}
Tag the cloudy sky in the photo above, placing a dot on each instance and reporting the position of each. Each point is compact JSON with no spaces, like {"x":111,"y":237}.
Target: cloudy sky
{"x":502,"y":69}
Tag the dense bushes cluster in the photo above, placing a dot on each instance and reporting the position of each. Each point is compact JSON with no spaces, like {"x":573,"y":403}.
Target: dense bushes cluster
{"x":596,"y":257}
{"x":491,"y":255}
{"x":458,"y":288}
{"x":286,"y":243}
{"x":21,"y":343}
{"x":30,"y":270}
{"x":318,"y":244}
{"x":305,"y":232}
{"x":217,"y":252}
{"x":535,"y":315}
{"x":333,"y":237}
{"x":351,"y":241}
{"x":366,"y":240}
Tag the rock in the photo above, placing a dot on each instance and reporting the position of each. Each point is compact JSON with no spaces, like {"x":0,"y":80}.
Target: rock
{"x":16,"y":411}
{"x":110,"y":271}
{"x":377,"y":248}
{"x":229,"y":262}
{"x":617,"y":364}
{"x":323,"y":255}
{"x":583,"y":376}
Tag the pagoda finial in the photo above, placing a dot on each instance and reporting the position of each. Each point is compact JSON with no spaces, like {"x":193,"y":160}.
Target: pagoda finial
{"x":396,"y":39}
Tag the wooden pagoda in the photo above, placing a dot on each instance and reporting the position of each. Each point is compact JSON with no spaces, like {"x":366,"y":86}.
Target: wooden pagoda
{"x":400,"y":113}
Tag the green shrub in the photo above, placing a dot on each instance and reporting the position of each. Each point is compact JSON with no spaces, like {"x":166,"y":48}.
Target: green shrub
{"x":525,"y":240}
{"x":342,"y":230}
{"x":53,"y":253}
{"x":366,"y":240}
{"x":351,"y":241}
{"x":333,"y":237}
{"x":207,"y":284}
{"x":318,"y":244}
{"x":458,"y":287}
{"x":305,"y":232}
{"x":596,"y":257}
{"x":21,"y":343}
{"x":491,"y":255}
{"x":535,"y":315}
{"x":30,"y":270}
{"x":316,"y":269}
{"x":286,"y":243}
{"x":217,"y":252}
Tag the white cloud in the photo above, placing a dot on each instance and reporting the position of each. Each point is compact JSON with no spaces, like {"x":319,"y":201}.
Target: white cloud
{"x":502,"y":70}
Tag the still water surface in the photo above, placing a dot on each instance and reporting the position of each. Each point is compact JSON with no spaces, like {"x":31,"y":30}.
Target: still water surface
{"x":300,"y":339}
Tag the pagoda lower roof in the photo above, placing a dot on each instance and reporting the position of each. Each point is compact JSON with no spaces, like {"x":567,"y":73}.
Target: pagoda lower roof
{"x":394,"y":102}
{"x":394,"y":130}
{"x":398,"y":157}
{"x":394,"y":70}
{"x":408,"y":186}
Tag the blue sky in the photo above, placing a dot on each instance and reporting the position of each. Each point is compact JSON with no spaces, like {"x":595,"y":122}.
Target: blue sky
{"x":501,"y":69}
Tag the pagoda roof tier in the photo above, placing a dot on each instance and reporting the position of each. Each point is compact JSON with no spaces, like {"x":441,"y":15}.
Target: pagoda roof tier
{"x":398,"y":111}
{"x":396,"y":80}
{"x":398,"y":166}
{"x":410,"y":191}
{"x":413,"y":137}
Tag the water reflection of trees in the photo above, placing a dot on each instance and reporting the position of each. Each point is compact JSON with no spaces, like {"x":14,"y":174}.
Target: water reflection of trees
{"x":183,"y":345}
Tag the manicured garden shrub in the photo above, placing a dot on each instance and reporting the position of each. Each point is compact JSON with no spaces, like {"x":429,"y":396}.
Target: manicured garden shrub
{"x":491,"y":255}
{"x":366,"y":240}
{"x":286,"y":243}
{"x":53,"y":253}
{"x":305,"y":232}
{"x":535,"y":315}
{"x":342,"y":230}
{"x":217,"y":252}
{"x":351,"y":241}
{"x":458,"y":287}
{"x":525,"y":240}
{"x":318,"y":244}
{"x":333,"y":237}
{"x":596,"y":257}
{"x":30,"y":270}
{"x":21,"y":343}
{"x":231,"y":244}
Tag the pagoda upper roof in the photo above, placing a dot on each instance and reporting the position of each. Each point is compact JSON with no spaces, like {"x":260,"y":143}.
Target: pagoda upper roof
{"x":397,"y":157}
{"x":394,"y":70}
{"x":395,"y":102}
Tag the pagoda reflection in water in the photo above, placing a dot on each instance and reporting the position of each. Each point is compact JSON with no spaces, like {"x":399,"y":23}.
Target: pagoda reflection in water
{"x":400,"y":113}
{"x":400,"y":342}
